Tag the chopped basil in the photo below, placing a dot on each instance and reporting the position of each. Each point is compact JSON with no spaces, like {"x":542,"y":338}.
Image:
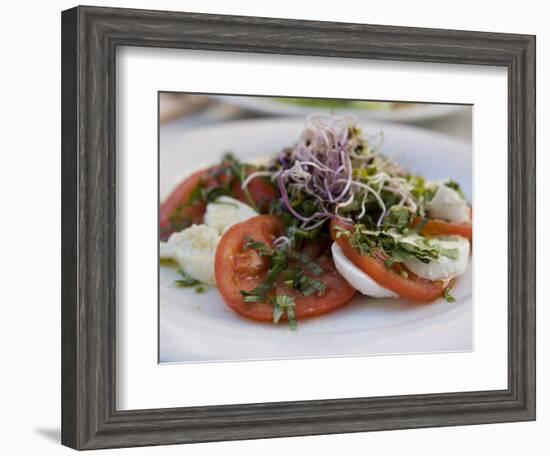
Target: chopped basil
{"x":447,"y":295}
{"x":398,"y":247}
{"x":340,"y":231}
{"x":456,"y":187}
{"x":186,"y":280}
{"x":308,"y":286}
{"x":307,"y":262}
{"x":213,"y":194}
{"x":177,"y":219}
{"x":217,"y":181}
{"x":279,"y":263}
{"x":259,"y":247}
{"x":239,"y":172}
{"x":284,"y":305}
{"x":288,"y":265}
{"x":291,"y":317}
{"x":422,"y":193}
{"x":449,"y":253}
{"x":251,"y":296}
{"x":278,"y":312}
{"x":398,"y":218}
{"x":292,"y":277}
{"x":429,"y":194}
{"x":298,"y":281}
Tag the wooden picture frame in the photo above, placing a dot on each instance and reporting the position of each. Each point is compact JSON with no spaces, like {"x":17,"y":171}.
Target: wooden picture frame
{"x":90,"y":37}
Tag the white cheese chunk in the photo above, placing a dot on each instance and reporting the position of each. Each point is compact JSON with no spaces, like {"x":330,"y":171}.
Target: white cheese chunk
{"x":225,"y":212}
{"x":165,"y":251}
{"x":447,"y":204}
{"x":194,"y":250}
{"x":444,"y":268}
{"x":357,"y":278}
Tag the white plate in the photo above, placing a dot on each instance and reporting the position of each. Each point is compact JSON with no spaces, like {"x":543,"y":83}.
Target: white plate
{"x":199,"y":327}
{"x":416,"y":112}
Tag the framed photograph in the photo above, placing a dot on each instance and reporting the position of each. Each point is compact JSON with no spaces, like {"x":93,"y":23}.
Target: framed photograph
{"x":280,"y":228}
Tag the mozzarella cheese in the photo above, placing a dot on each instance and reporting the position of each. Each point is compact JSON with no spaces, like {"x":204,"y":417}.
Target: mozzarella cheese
{"x":194,"y":249}
{"x":357,"y":278}
{"x":226,"y":211}
{"x":444,"y":268}
{"x":165,"y":251}
{"x":447,"y":204}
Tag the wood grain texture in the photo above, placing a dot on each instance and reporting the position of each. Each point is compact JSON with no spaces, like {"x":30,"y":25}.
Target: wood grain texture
{"x":89,"y":40}
{"x":69,"y":228}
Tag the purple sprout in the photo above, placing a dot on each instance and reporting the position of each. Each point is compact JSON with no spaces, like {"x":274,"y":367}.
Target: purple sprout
{"x":321,"y":166}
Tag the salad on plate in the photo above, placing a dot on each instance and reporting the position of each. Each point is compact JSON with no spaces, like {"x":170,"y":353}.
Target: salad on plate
{"x":328,"y":217}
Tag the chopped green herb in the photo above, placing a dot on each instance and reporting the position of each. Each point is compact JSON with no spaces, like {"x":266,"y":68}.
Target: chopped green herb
{"x":447,"y":295}
{"x":168,"y":262}
{"x":239,"y":172}
{"x":283,"y":265}
{"x":449,"y":253}
{"x":454,"y":185}
{"x":284,"y":304}
{"x":340,"y":231}
{"x":186,"y":280}
{"x":177,"y":218}
{"x":278,"y":312}
{"x":213,"y":194}
{"x":423,"y":194}
{"x":289,"y":275}
{"x":259,"y":247}
{"x":279,"y":263}
{"x":291,"y":317}
{"x":398,"y":247}
{"x":309,"y":286}
{"x":397,"y":218}
{"x":307,"y":262}
{"x":251,"y":296}
{"x":306,"y":285}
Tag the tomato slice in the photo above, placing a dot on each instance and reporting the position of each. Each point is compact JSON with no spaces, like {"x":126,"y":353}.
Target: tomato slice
{"x":176,"y":214}
{"x":435,"y":227}
{"x":411,"y":286}
{"x":261,"y":192}
{"x":237,"y":270}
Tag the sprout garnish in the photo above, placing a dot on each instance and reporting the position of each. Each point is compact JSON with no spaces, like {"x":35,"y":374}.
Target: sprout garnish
{"x":340,"y":174}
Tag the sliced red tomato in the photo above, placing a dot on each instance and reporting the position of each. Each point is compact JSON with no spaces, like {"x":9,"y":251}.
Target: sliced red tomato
{"x":238,"y":270}
{"x":261,"y":192}
{"x":435,"y":227}
{"x":176,"y":213}
{"x":408,"y":286}
{"x":441,"y":228}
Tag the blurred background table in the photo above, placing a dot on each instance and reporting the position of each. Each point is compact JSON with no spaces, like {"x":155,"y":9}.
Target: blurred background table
{"x":184,"y":111}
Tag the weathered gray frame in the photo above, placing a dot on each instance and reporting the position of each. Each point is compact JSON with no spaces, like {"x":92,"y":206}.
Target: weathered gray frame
{"x":90,"y":36}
